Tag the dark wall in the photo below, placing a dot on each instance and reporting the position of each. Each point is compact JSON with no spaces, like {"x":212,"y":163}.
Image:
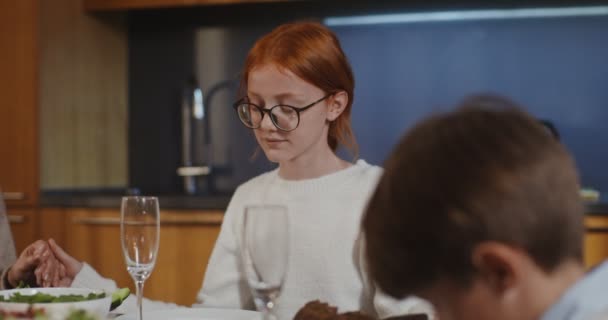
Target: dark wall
{"x":556,"y":67}
{"x":160,"y":62}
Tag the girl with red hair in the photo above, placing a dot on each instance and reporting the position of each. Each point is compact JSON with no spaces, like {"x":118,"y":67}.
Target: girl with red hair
{"x":297,"y":95}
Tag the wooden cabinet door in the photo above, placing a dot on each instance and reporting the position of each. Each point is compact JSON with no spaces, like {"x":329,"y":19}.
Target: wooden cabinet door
{"x":18,"y":101}
{"x":93,"y":236}
{"x":23,"y":227}
{"x":186,"y":241}
{"x":187,"y":238}
{"x":596,"y":240}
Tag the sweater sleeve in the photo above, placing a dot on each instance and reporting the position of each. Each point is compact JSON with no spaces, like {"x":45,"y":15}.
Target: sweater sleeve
{"x":89,"y":278}
{"x":224,"y":285}
{"x":4,"y":285}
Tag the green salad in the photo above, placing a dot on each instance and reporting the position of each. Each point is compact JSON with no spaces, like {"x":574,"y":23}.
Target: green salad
{"x":40,"y":315}
{"x":47,"y":298}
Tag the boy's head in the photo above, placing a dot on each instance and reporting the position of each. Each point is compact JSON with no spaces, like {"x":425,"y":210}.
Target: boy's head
{"x":477,"y":211}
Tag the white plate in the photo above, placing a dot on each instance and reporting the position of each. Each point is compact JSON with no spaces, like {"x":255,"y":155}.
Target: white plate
{"x":58,"y":310}
{"x":195,"y":314}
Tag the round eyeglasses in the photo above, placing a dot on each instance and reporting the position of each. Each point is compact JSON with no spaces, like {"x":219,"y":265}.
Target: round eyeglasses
{"x":284,"y":117}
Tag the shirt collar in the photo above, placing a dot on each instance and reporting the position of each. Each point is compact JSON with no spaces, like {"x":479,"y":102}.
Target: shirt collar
{"x":585,"y":298}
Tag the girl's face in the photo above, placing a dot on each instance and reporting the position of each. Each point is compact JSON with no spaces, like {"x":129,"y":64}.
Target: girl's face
{"x":268,"y":86}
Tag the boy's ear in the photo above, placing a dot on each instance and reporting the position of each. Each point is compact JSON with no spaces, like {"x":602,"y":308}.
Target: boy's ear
{"x":498,"y":265}
{"x":336,"y":105}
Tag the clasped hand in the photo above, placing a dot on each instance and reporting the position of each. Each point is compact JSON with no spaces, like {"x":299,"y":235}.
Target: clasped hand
{"x":44,"y":264}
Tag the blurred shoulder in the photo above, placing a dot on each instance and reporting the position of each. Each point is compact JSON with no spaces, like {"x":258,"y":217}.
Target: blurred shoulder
{"x":367,"y":171}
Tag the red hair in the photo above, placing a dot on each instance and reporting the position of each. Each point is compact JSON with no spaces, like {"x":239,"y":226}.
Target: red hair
{"x":312,"y":52}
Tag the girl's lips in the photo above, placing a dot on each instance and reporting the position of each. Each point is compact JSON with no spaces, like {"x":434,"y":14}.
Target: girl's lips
{"x":274,"y":142}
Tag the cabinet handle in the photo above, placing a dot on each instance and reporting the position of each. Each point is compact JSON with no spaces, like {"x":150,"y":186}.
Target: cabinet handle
{"x":15,"y":219}
{"x":597,"y":229}
{"x":97,"y":221}
{"x":13,"y":195}
{"x":211,"y":220}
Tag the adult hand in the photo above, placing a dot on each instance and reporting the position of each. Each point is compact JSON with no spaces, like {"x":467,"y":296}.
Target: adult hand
{"x":24,"y":268}
{"x":50,"y":272}
{"x":71,"y":266}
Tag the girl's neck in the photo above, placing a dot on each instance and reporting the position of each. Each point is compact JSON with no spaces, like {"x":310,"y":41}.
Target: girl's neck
{"x":312,"y":166}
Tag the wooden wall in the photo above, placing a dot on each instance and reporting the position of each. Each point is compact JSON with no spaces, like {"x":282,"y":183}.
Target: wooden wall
{"x":83,"y":97}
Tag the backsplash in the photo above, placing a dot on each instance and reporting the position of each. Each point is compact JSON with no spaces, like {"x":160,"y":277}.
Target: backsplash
{"x":404,"y":72}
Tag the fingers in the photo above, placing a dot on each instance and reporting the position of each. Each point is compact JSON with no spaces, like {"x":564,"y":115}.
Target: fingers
{"x":50,"y":273}
{"x":65,"y":282}
{"x":41,"y":274}
{"x":39,"y":248}
{"x":59,"y":253}
{"x":72,"y":266}
{"x":53,"y":273}
{"x":30,"y":267}
{"x":60,"y":280}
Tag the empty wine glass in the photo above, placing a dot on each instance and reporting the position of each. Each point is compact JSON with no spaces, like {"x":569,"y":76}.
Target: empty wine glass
{"x":139,"y":234}
{"x":265,"y":250}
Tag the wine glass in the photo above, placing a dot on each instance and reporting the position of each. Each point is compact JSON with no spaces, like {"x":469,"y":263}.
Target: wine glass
{"x":139,"y":234}
{"x":265,"y":250}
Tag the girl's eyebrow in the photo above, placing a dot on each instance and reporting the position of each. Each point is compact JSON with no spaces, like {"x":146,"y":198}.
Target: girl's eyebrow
{"x":279,"y":97}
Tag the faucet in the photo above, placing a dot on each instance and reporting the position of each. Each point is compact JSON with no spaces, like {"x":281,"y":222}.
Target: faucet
{"x":197,"y":157}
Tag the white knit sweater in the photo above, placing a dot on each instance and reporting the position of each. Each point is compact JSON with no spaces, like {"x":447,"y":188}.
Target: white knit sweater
{"x":325,"y":259}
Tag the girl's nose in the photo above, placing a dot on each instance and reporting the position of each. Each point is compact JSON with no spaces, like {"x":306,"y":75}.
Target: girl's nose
{"x":267,"y":124}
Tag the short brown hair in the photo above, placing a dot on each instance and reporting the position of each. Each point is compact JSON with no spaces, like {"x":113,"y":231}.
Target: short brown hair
{"x":485,"y":172}
{"x":312,"y":52}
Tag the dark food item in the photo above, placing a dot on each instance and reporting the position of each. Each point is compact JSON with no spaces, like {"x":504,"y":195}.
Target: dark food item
{"x":417,"y":316}
{"x":316,"y":310}
{"x":353,"y":316}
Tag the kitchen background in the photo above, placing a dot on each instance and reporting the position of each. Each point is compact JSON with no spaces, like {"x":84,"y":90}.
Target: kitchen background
{"x":555,"y":66}
{"x":92,"y":94}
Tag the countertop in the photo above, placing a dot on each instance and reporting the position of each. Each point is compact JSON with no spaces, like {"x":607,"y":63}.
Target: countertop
{"x":597,"y":209}
{"x":111,"y":199}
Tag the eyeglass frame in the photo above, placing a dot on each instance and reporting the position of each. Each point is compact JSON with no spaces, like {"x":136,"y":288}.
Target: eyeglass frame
{"x":269,"y":111}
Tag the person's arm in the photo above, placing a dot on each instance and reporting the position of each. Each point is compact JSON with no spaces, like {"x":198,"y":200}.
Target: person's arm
{"x":82,"y":275}
{"x":224,"y":285}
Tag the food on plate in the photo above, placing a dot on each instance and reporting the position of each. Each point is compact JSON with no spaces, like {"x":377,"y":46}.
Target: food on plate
{"x":55,"y":304}
{"x":118,"y":297}
{"x":40,"y":314}
{"x":355,"y":315}
{"x":317,"y":310}
{"x":41,"y":297}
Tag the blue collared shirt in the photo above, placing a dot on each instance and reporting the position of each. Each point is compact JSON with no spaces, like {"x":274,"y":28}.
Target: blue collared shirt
{"x":587,"y":299}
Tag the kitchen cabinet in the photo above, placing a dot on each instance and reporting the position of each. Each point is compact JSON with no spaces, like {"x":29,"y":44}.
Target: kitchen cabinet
{"x":596,"y":240}
{"x":96,"y":5}
{"x":186,"y":240}
{"x":18,"y":105}
{"x":23,"y":224}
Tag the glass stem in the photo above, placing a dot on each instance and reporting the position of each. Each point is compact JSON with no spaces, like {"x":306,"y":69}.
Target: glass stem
{"x":269,"y":316}
{"x":140,"y":292}
{"x":268,"y":311}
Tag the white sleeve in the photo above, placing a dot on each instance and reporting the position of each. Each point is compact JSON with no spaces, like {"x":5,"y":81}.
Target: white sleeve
{"x":384,"y":305}
{"x":225,"y":285}
{"x":89,"y":278}
{"x":387,"y":306}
